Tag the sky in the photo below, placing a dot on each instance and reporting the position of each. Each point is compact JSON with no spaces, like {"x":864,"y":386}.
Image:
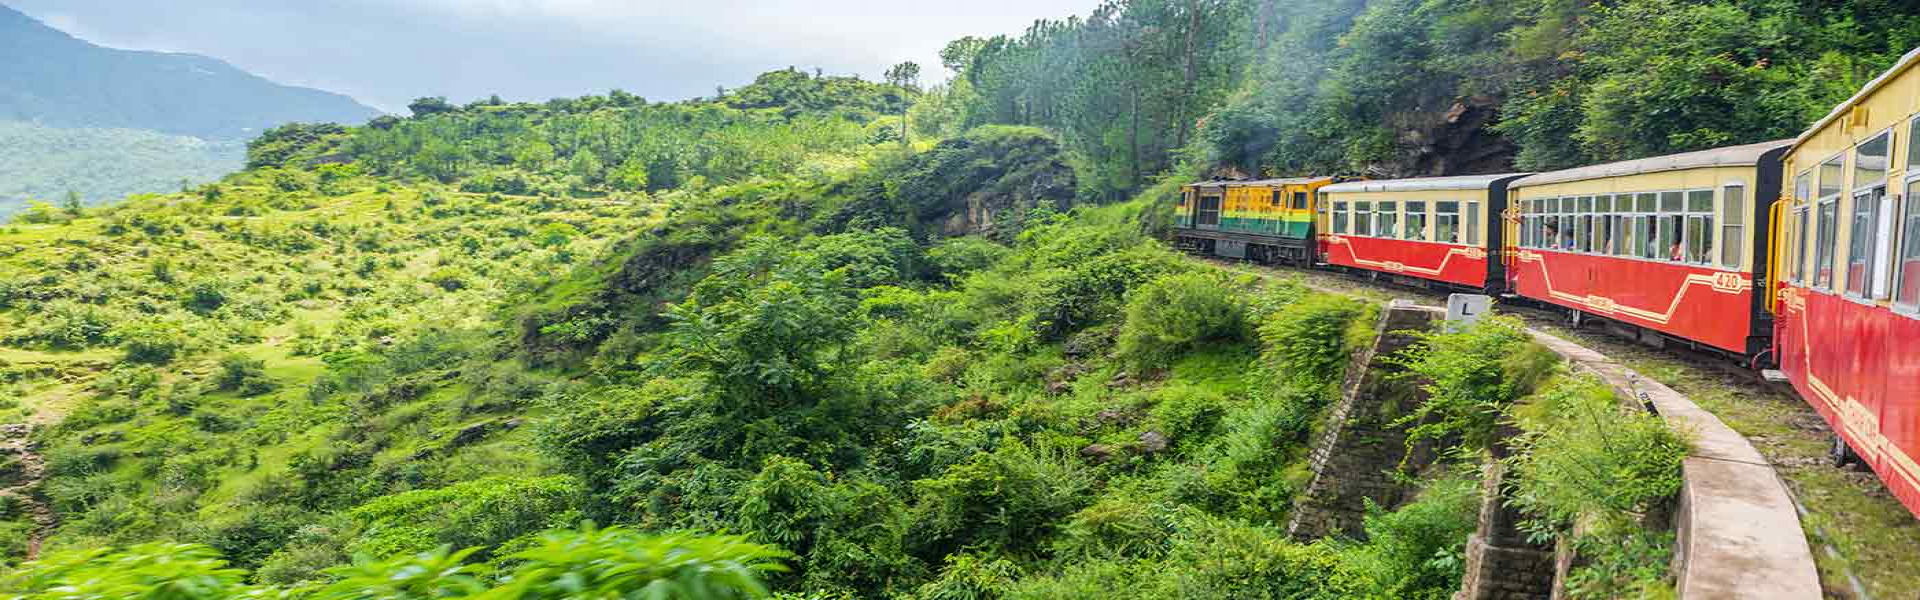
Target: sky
{"x":387,"y":52}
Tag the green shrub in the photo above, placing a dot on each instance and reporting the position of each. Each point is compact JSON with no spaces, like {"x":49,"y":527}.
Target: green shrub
{"x":245,"y":375}
{"x":1584,"y":455}
{"x":1471,"y":378}
{"x":480,"y":513}
{"x":1308,"y":343}
{"x":152,"y":342}
{"x":1009,"y":499}
{"x":1176,"y":313}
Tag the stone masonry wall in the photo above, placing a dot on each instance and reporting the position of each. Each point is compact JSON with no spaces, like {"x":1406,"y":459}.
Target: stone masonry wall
{"x":1357,"y":449}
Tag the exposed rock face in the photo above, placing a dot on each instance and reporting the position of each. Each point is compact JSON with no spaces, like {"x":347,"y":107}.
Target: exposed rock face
{"x":974,"y":183}
{"x":1456,"y":141}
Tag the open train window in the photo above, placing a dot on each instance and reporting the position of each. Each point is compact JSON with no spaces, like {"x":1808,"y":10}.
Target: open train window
{"x":1733,"y":221}
{"x":1827,"y":236}
{"x":1299,"y":201}
{"x":1416,"y":221}
{"x":1699,"y":233}
{"x":1276,"y":198}
{"x":1446,"y":222}
{"x":1386,"y":217}
{"x":1871,"y":252}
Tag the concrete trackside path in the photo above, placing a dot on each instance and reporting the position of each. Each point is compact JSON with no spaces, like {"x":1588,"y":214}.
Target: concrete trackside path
{"x":1737,"y":532}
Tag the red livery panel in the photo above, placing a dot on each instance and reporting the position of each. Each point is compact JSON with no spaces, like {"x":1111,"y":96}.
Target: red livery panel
{"x":1854,"y":363}
{"x":1452,"y":263}
{"x":1697,"y":303}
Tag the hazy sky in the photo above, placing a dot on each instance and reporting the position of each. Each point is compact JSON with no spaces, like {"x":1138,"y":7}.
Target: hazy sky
{"x":387,"y":52}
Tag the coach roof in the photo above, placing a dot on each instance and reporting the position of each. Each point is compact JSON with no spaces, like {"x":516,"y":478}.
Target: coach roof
{"x":1421,"y":184}
{"x":1730,"y":156}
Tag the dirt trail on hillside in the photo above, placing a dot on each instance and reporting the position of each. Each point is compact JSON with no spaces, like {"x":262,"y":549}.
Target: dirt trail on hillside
{"x":21,"y":480}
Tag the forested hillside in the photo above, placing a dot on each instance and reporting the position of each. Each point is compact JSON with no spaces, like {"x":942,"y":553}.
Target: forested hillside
{"x":524,"y":350}
{"x":1391,"y":88}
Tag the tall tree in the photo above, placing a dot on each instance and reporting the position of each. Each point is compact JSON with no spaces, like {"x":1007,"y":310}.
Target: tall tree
{"x":905,"y":76}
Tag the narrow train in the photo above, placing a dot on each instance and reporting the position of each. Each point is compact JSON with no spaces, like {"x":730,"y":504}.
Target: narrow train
{"x":1799,"y":257}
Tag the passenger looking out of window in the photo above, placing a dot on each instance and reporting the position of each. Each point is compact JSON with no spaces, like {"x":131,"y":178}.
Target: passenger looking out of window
{"x":1553,"y":233}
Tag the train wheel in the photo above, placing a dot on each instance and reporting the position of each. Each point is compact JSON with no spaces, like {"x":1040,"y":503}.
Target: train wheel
{"x":1842,"y":454}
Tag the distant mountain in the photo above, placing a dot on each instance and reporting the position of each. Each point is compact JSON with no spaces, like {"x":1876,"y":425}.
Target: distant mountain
{"x":51,"y":78}
{"x":44,"y":163}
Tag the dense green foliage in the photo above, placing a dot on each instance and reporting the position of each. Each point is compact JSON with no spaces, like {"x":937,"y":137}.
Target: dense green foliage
{"x":907,"y":367}
{"x":588,"y":563}
{"x":1603,"y":469}
{"x":1412,"y":87}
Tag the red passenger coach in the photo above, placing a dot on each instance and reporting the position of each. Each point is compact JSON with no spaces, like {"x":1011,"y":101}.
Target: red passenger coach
{"x":1848,"y":294}
{"x":1667,"y":246}
{"x":1434,"y":230}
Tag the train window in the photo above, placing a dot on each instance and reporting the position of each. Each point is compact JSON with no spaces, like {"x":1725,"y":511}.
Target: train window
{"x":1643,"y":203}
{"x":1699,"y":239}
{"x":1828,"y":236}
{"x":1339,"y":217}
{"x":1870,"y":161}
{"x":1568,"y":240}
{"x":1473,"y":223}
{"x":1363,"y":218}
{"x":1733,"y":225}
{"x":1645,"y":228}
{"x":1909,"y":269}
{"x":1299,"y":201}
{"x":1618,"y":240}
{"x":1913,"y":158}
{"x":1670,"y":242}
{"x":1276,"y":198}
{"x":1699,"y":234}
{"x":1386,"y":217}
{"x":1416,"y":221}
{"x":1864,"y":224}
{"x":1583,"y":231}
{"x":1830,"y":174}
{"x":1670,"y":202}
{"x":1802,"y":226}
{"x":1446,"y":222}
{"x":1208,"y":214}
{"x":1883,"y":243}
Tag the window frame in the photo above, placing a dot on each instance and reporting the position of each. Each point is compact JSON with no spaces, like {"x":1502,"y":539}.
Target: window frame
{"x":1338,"y":221}
{"x":1408,"y":229}
{"x":1470,"y":222}
{"x":1907,"y":206}
{"x":1733,"y":235}
{"x":1363,"y":215}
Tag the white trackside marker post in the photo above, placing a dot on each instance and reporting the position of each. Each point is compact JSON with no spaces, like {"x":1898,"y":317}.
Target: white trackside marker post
{"x":1466,"y":309}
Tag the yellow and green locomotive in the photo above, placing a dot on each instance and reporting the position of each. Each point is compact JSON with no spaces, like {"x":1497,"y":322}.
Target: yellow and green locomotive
{"x":1269,"y":220}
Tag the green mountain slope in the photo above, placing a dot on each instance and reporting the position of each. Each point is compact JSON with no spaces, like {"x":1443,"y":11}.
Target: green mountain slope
{"x":54,"y":79}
